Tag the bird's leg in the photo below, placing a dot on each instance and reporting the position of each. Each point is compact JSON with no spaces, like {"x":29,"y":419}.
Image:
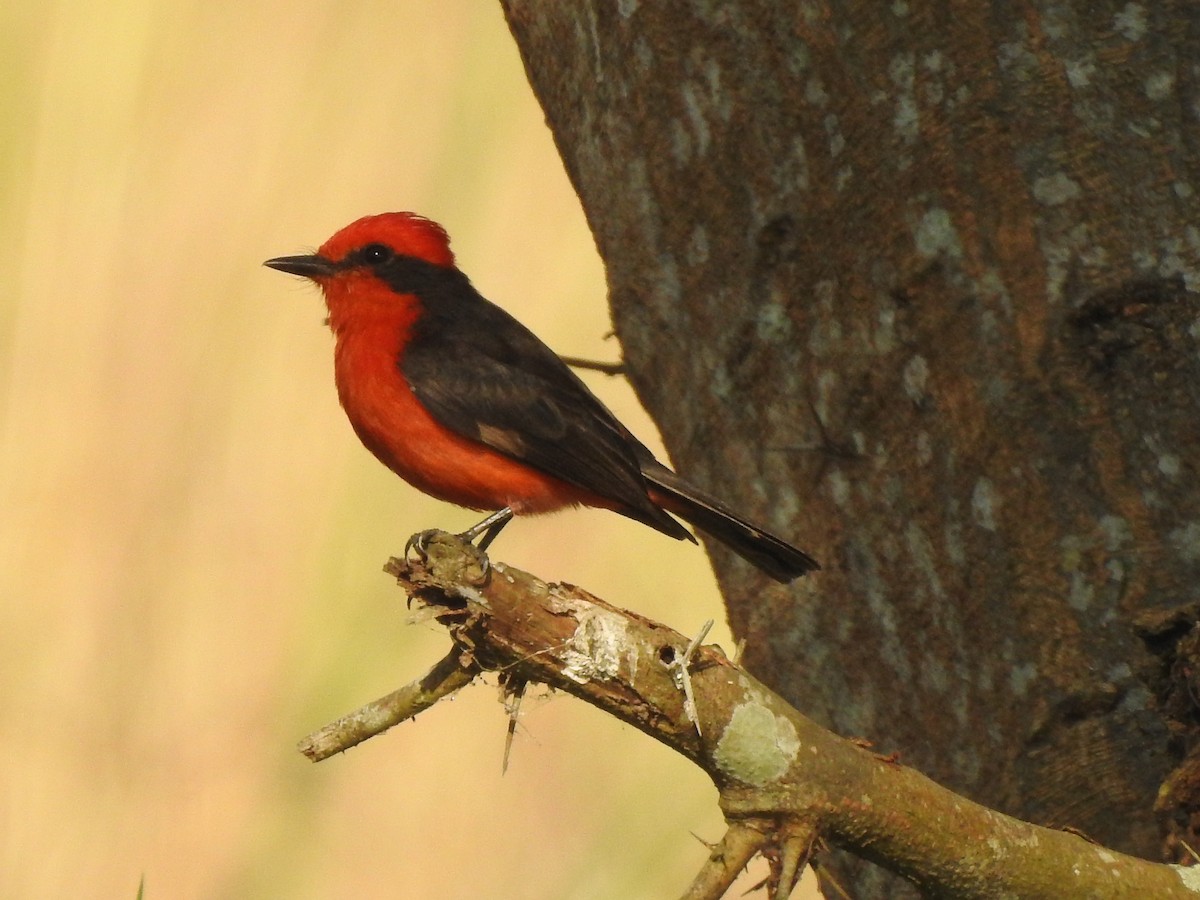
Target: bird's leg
{"x":489,"y":528}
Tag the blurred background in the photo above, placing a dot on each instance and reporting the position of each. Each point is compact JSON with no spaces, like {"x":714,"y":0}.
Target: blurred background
{"x":191,"y":537}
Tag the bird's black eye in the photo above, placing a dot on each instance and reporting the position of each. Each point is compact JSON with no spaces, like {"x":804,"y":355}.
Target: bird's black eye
{"x":374,"y":254}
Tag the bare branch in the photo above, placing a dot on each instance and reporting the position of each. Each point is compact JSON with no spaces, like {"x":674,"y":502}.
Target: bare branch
{"x":783,"y":780}
{"x":742,"y":840}
{"x":794,"y":852}
{"x":378,"y":716}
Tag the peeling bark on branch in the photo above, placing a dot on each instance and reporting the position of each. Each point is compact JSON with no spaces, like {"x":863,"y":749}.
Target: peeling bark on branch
{"x":783,"y":780}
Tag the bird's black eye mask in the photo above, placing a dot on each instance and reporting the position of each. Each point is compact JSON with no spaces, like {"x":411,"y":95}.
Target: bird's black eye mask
{"x":371,"y":256}
{"x":403,"y":274}
{"x":376,"y":254}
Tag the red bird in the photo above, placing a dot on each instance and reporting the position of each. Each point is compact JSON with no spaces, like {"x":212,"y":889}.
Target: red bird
{"x":463,"y":402}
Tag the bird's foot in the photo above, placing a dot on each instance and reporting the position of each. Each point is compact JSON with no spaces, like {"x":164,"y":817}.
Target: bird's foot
{"x":485,"y":532}
{"x":424,"y":544}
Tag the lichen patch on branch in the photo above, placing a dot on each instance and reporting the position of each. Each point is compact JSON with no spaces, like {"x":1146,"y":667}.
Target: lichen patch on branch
{"x":758,"y":746}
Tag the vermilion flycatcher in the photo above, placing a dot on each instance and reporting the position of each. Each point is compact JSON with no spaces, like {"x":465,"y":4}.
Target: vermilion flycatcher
{"x":463,"y":402}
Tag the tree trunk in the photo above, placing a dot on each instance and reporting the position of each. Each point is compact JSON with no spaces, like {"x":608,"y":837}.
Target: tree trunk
{"x":911,"y":284}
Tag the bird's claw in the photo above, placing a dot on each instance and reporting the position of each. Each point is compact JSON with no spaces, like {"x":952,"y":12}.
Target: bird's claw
{"x":419,"y":543}
{"x":485,"y":564}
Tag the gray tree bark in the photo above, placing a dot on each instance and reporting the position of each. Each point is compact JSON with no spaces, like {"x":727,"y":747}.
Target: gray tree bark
{"x":911,"y":283}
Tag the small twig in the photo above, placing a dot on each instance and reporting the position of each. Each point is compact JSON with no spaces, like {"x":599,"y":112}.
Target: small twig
{"x":378,"y":716}
{"x":727,"y":860}
{"x":592,"y":365}
{"x":683,"y":678}
{"x":1186,"y":846}
{"x":828,"y":448}
{"x":829,"y":883}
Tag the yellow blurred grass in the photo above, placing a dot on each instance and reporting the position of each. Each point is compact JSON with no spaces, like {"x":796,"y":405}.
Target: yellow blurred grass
{"x":190,"y":536}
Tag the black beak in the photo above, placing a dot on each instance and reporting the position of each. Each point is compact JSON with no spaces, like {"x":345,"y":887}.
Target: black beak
{"x":313,"y":266}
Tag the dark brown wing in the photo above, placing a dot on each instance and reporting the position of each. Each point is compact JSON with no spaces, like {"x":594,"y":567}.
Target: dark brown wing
{"x":485,"y":376}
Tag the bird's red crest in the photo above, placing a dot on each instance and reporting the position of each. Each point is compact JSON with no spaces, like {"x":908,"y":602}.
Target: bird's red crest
{"x":406,"y":233}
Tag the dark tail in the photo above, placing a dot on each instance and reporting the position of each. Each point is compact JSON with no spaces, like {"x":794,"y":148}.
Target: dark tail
{"x":773,"y":555}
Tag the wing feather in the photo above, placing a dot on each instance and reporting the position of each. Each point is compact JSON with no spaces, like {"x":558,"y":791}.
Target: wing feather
{"x":485,"y":376}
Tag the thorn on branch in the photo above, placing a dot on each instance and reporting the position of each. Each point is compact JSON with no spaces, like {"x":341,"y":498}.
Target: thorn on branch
{"x":513,"y":688}
{"x":683,"y":678}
